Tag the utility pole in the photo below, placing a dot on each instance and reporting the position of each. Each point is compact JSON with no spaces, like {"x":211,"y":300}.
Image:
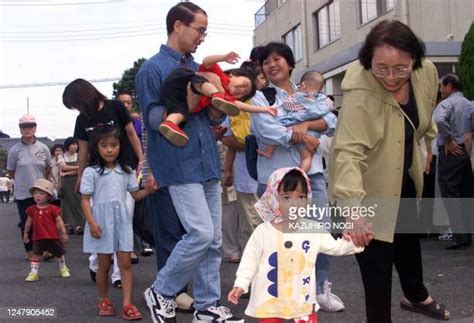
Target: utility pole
{"x":28,"y":105}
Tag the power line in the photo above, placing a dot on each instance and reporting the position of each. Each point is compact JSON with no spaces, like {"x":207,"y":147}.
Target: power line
{"x":80,"y":30}
{"x":45,"y":84}
{"x":158,"y":30}
{"x":43,"y":4}
{"x":106,"y":32}
{"x":213,"y":22}
{"x":100,"y":37}
{"x":145,"y":27}
{"x":121,"y":23}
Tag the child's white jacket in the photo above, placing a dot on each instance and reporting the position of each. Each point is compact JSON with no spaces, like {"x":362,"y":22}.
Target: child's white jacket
{"x":281,"y":268}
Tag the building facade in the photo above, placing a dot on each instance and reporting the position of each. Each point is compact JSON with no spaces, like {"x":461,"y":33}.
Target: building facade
{"x":326,"y":35}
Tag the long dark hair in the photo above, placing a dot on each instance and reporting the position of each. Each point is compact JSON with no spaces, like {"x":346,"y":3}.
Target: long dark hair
{"x":248,"y":74}
{"x":82,"y":96}
{"x":94,"y":157}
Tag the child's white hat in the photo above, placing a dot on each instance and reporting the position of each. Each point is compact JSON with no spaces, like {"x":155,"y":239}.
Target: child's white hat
{"x":27,"y":119}
{"x":44,"y":185}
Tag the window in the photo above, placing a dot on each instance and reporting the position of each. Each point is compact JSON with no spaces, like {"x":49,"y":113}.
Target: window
{"x":370,"y":9}
{"x":328,"y":22}
{"x":294,"y":39}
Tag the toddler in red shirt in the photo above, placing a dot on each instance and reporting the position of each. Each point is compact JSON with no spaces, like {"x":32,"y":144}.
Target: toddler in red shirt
{"x":49,"y":232}
{"x":185,"y":91}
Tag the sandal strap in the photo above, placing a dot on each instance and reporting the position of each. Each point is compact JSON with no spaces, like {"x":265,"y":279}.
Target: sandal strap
{"x":106,"y":307}
{"x":105,"y":303}
{"x":130,"y":310}
{"x":434,"y":309}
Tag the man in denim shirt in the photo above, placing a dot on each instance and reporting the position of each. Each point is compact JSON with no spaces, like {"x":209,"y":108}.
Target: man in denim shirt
{"x":454,"y":167}
{"x":191,"y":174}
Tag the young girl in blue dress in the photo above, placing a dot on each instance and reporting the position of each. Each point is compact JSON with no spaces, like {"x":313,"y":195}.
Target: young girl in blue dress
{"x":109,"y":226}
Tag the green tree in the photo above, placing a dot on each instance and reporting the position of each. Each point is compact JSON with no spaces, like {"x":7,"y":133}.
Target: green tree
{"x":466,"y":62}
{"x":127,"y":82}
{"x":3,"y":160}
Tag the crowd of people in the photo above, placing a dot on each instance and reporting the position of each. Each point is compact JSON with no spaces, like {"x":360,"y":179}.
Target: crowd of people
{"x":222,"y":161}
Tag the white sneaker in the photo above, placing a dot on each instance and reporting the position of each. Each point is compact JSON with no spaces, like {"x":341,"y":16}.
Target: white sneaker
{"x":328,"y":301}
{"x":448,"y":235}
{"x":162,"y":310}
{"x":216,"y":314}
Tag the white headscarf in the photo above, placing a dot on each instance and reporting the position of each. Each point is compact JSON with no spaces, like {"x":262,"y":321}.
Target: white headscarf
{"x":268,"y":206}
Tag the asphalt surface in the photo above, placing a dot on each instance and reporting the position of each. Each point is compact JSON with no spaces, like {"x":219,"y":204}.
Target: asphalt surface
{"x":449,"y":276}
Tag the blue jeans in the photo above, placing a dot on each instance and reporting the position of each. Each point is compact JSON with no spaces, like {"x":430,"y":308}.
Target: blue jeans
{"x":167,"y":229}
{"x":197,"y":255}
{"x":320,"y":197}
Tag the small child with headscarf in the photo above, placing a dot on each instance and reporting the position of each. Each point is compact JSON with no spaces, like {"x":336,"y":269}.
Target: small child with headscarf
{"x":280,"y":256}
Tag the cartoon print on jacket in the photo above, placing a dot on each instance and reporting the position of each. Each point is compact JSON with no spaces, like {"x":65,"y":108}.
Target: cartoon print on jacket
{"x":289,"y":278}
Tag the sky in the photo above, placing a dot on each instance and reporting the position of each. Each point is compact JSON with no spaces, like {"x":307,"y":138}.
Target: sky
{"x":57,"y":41}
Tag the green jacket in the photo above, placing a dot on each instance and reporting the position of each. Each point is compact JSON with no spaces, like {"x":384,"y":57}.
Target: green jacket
{"x":366,"y":161}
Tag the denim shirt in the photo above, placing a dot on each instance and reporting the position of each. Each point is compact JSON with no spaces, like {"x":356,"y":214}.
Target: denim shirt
{"x":268,"y":130}
{"x":196,"y":162}
{"x":450,"y":117}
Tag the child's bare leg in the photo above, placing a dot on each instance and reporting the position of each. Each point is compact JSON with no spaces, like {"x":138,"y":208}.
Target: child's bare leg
{"x":101,"y":276}
{"x":214,"y":85}
{"x":267,"y":152}
{"x":306,"y":159}
{"x":214,"y":89}
{"x":126,"y":273}
{"x":176,"y":118}
{"x":206,"y":88}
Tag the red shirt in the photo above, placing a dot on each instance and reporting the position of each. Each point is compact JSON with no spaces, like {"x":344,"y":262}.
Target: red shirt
{"x":204,"y":102}
{"x":44,"y":221}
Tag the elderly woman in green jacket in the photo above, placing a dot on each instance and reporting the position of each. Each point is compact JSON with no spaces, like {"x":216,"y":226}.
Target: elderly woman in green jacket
{"x":376,"y":164}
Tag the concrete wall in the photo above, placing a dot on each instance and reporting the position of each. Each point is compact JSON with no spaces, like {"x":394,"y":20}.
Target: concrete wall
{"x":442,"y":24}
{"x":287,"y":16}
{"x":434,"y":20}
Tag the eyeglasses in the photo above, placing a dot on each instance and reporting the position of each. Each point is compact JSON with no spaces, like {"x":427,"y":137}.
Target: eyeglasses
{"x":27,"y":125}
{"x":397,"y":71}
{"x":201,"y":31}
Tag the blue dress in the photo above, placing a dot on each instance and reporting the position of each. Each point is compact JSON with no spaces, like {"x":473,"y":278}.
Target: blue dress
{"x":108,"y":192}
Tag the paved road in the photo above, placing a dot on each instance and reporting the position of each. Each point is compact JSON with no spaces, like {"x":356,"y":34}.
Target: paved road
{"x":448,"y":275}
